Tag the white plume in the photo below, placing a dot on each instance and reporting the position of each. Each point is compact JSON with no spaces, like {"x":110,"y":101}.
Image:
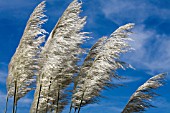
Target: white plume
{"x":24,"y":64}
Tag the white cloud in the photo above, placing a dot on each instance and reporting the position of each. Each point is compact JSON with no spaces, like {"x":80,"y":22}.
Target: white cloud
{"x":151,"y":48}
{"x":127,"y":79}
{"x":3,"y":77}
{"x":2,"y":95}
{"x":108,"y":106}
{"x":161,"y":102}
{"x":26,"y":100}
{"x":151,"y":51}
{"x":131,"y":10}
{"x":23,"y":104}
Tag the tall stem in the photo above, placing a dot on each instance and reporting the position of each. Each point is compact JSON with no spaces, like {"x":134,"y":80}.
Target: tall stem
{"x":48,"y":96}
{"x":16,"y":107}
{"x":14,"y":101}
{"x":74,"y":89}
{"x":75,"y":110}
{"x":58,"y":98}
{"x":70,"y":107}
{"x":6,"y":106}
{"x":38,"y":98}
{"x":81,"y":102}
{"x":51,"y":108}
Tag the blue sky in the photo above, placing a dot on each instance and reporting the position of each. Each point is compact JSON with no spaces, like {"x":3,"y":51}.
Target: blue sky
{"x":151,"y":44}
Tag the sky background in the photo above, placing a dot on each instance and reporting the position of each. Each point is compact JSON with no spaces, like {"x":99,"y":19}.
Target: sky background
{"x":151,"y":43}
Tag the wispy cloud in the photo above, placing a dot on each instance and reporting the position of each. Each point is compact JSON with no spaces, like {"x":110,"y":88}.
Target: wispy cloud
{"x":151,"y":46}
{"x":161,"y":103}
{"x":23,"y":104}
{"x":151,"y":51}
{"x":127,"y":79}
{"x":100,"y":108}
{"x":131,"y":10}
{"x":3,"y":76}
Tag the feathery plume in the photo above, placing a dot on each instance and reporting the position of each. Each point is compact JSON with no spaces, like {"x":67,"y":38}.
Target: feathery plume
{"x":105,"y":63}
{"x":88,"y":62}
{"x":60,"y":56}
{"x":139,"y":101}
{"x":24,"y":63}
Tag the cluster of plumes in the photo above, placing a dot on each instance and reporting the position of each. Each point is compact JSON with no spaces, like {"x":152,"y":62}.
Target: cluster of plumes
{"x":55,"y":65}
{"x":60,"y":55}
{"x":100,"y":66}
{"x":139,"y":101}
{"x":24,"y":63}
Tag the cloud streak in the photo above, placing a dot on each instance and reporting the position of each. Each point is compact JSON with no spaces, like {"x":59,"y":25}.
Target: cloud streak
{"x":131,"y":10}
{"x":22,"y":104}
{"x":151,"y":45}
{"x":151,"y":51}
{"x":3,"y":76}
